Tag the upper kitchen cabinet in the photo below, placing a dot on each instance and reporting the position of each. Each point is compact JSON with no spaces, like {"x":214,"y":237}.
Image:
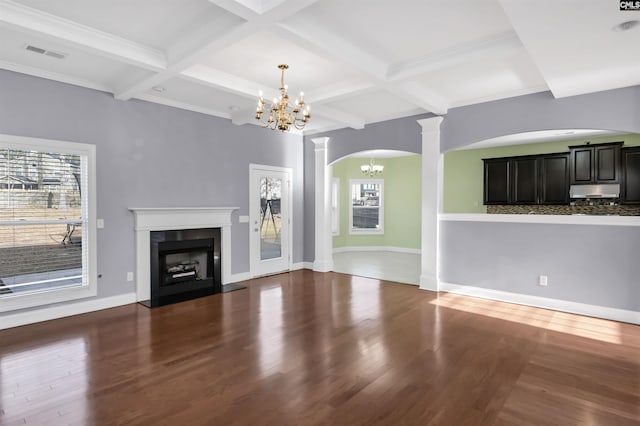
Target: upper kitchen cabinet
{"x":595,"y":163}
{"x":497,"y":181}
{"x":554,"y":179}
{"x":525,"y":180}
{"x":528,"y":180}
{"x":630,"y":188}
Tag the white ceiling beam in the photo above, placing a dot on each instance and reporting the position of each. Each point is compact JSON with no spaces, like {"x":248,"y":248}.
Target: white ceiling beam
{"x":216,"y":79}
{"x":202,"y":74}
{"x":51,"y":75}
{"x":240,"y":9}
{"x":324,"y":43}
{"x":220,"y":39}
{"x":337,"y":115}
{"x":339,"y":90}
{"x":493,"y":46}
{"x":32,"y":21}
{"x":182,"y":105}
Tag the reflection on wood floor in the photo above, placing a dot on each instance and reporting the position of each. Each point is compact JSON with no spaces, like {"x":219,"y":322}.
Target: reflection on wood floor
{"x":310,"y":348}
{"x":384,"y":265}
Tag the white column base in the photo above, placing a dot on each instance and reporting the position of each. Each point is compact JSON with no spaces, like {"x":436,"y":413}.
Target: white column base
{"x":323,"y":266}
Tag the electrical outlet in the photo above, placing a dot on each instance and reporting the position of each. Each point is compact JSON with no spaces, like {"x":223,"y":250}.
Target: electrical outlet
{"x":100,"y":223}
{"x":129,"y":276}
{"x":542,"y":280}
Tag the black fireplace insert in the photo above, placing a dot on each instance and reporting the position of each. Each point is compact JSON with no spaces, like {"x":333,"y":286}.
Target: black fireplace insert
{"x":185,"y":264}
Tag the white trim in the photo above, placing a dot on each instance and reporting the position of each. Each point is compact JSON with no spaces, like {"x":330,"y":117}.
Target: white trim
{"x":335,"y":209}
{"x":604,"y":312}
{"x":257,"y":267}
{"x":30,"y":300}
{"x":301,"y":265}
{"x":323,"y":261}
{"x":377,"y":248}
{"x":50,"y":75}
{"x":167,"y":218}
{"x":549,"y":219}
{"x":432,"y":184}
{"x":70,"y":33}
{"x":242,"y":276}
{"x":55,"y":312}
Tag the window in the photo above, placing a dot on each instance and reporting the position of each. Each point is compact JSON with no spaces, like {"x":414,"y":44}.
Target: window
{"x":335,"y":206}
{"x":366,"y":209}
{"x":47,"y":237}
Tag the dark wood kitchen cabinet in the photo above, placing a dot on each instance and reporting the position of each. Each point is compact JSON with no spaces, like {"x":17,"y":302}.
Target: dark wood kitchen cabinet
{"x":554,"y":179}
{"x":630,"y":188}
{"x":592,"y":164}
{"x":497,"y":181}
{"x":524,"y":180}
{"x":528,"y":180}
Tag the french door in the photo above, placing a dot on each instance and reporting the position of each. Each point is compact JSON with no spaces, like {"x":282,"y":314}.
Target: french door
{"x":270,"y":221}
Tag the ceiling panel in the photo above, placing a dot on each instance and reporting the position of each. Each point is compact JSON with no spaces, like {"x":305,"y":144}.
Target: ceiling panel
{"x":152,"y":23}
{"x":77,"y":64}
{"x":200,"y":96}
{"x":402,"y":30}
{"x":486,"y":79}
{"x":375,"y":105}
{"x":257,"y":57}
{"x":574,"y":44}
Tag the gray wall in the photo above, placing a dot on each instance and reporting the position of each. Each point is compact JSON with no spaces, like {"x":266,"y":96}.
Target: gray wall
{"x":611,"y":110}
{"x":590,"y":264}
{"x":492,"y":261}
{"x":149,"y":155}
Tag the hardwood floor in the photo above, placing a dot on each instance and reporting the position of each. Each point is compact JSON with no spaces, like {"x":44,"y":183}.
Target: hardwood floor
{"x":311,"y":348}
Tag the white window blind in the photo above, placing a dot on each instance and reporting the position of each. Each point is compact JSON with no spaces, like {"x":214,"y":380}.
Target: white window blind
{"x":43,"y":221}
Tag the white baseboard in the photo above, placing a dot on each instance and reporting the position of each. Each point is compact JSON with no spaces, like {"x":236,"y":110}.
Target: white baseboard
{"x":67,"y":310}
{"x":376,"y":248}
{"x":604,"y":312}
{"x":242,"y":276}
{"x":301,"y":265}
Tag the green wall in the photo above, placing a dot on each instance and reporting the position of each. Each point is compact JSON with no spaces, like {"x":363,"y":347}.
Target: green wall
{"x":402,"y":202}
{"x":463,"y":169}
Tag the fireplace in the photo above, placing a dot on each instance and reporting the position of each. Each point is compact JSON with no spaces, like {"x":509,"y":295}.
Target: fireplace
{"x":181,"y":224}
{"x":185,"y":264}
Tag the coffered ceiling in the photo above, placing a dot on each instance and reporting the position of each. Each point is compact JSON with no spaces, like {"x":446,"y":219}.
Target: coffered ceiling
{"x":358,"y":61}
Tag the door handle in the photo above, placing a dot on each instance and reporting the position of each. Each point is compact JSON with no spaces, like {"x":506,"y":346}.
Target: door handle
{"x":255,"y":229}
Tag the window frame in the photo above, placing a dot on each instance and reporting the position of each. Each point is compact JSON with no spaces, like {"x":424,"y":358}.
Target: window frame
{"x":64,"y":294}
{"x":367,"y":231}
{"x":335,"y":206}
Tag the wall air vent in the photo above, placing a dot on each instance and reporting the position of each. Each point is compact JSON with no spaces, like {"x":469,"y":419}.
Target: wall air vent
{"x":46,"y":52}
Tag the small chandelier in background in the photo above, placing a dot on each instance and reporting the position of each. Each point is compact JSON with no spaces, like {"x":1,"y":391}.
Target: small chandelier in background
{"x":371,"y":169}
{"x":282,"y":115}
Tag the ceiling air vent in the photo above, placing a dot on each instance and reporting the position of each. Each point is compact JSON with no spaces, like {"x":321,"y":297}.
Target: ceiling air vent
{"x":46,"y":52}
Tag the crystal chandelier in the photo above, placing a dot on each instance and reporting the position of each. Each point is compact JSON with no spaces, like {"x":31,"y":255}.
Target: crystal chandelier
{"x":282,"y":115}
{"x":371,"y":169}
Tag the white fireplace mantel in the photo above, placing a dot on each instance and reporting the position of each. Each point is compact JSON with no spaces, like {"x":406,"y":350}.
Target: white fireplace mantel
{"x":170,"y":218}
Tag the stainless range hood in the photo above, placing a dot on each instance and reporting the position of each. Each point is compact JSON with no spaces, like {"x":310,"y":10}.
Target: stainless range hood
{"x":595,"y":191}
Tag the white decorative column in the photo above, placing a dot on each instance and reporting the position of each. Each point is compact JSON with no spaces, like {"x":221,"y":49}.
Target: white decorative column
{"x":431,"y":201}
{"x":323,"y":261}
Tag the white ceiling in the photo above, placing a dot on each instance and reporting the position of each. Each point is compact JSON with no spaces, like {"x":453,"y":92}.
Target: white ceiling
{"x":358,"y":61}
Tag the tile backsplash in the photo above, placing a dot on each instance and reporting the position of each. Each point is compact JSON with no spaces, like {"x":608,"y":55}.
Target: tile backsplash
{"x":566,"y":210}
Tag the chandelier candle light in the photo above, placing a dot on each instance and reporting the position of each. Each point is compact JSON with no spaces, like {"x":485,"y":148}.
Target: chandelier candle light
{"x":371,"y":169}
{"x":282,"y":115}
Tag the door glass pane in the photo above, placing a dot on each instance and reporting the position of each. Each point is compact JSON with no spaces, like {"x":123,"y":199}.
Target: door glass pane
{"x":270,"y":218}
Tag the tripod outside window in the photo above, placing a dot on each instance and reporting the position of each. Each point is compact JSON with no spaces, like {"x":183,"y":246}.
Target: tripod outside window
{"x":268,"y":211}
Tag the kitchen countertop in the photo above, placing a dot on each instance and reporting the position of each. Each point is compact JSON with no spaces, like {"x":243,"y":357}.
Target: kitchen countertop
{"x":576,"y":219}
